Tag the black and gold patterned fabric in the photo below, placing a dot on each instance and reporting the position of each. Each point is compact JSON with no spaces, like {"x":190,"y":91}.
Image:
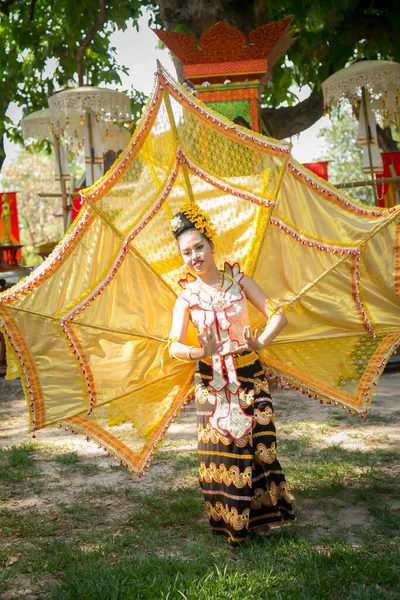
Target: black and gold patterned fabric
{"x":243,"y":484}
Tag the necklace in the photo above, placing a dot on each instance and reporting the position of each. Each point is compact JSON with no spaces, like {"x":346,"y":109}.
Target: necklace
{"x":219,"y":301}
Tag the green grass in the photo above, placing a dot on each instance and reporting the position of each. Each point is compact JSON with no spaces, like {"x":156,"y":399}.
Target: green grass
{"x":185,"y":461}
{"x":292,"y":427}
{"x":286,"y":567}
{"x":17,"y":463}
{"x":87,"y":468}
{"x":293,"y":446}
{"x":69,"y":458}
{"x":28,"y":525}
{"x":73,"y":462}
{"x":81,"y":515}
{"x":132,"y":543}
{"x":371,"y":419}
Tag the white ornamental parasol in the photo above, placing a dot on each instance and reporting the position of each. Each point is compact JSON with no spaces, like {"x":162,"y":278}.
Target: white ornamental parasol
{"x":365,"y":78}
{"x":38,"y":125}
{"x":95,"y":109}
{"x":106,"y":104}
{"x":81,"y":118}
{"x":42,"y":125}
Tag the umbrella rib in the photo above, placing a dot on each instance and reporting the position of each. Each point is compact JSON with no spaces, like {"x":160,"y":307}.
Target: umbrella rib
{"x":174,"y":130}
{"x":313,"y":338}
{"x":106,"y":402}
{"x":362,"y":242}
{"x":109,"y":223}
{"x":131,"y":248}
{"x":380,"y":226}
{"x":31,"y":312}
{"x":123,"y":331}
{"x":141,"y":257}
{"x":140,"y":387}
{"x":309,"y":286}
{"x":310,"y":236}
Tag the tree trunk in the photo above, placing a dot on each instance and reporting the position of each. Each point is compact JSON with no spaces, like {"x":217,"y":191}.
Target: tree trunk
{"x":199,"y":15}
{"x":385,"y":141}
{"x":384,"y":134}
{"x":2,"y":151}
{"x":88,"y":38}
{"x":290,"y":120}
{"x":4,"y":104}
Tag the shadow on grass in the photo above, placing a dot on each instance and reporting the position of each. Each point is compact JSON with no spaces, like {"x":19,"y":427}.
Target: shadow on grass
{"x":285,"y":567}
{"x":158,"y":545}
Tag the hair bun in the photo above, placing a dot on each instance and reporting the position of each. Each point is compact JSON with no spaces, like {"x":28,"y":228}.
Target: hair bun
{"x":179,"y":224}
{"x":191,"y":216}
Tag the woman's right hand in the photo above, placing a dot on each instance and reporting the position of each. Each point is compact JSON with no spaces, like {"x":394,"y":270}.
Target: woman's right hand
{"x":209,"y":342}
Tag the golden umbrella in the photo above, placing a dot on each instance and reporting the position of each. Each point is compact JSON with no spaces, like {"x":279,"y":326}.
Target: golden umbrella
{"x":87,"y":331}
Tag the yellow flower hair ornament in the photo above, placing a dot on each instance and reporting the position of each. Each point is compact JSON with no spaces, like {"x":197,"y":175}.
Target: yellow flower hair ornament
{"x":191,"y":214}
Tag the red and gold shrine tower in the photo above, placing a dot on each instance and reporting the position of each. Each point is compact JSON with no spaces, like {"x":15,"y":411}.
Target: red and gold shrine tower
{"x":228,"y":70}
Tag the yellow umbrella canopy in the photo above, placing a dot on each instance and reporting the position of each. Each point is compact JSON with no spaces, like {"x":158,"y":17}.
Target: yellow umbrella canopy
{"x":87,"y":330}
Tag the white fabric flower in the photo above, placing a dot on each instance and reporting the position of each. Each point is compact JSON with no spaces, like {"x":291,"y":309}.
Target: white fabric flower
{"x":176,"y":222}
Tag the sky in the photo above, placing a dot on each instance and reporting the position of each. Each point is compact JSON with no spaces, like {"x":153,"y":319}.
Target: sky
{"x":138,"y":51}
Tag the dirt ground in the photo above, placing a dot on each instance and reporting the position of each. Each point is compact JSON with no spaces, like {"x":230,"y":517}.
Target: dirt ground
{"x":302,"y":422}
{"x":381,"y":428}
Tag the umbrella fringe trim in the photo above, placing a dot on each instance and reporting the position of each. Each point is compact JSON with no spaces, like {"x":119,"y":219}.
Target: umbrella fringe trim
{"x":68,"y":425}
{"x":330,"y":193}
{"x":59,"y":254}
{"x":222,"y":185}
{"x":358,"y":296}
{"x":27,"y":371}
{"x":85,"y":372}
{"x":385,"y":350}
{"x":318,"y":243}
{"x":100,"y":287}
{"x":83,"y":303}
{"x":397,"y":259}
{"x":216,"y":121}
{"x":95,"y":192}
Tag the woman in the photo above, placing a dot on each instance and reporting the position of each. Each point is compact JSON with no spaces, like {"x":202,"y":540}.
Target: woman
{"x":242,"y":481}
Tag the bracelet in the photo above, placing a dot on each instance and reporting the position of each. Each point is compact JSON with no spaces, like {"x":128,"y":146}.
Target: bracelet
{"x":189,"y":355}
{"x":171,"y":354}
{"x":185,"y":360}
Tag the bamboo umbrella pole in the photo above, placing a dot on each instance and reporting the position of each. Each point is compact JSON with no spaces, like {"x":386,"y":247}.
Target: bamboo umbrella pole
{"x":91,"y":148}
{"x":368,"y":132}
{"x":176,"y":136}
{"x":64,"y":195}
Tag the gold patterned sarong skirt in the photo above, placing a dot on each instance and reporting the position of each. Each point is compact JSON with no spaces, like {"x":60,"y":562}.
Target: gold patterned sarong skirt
{"x":242,"y":480}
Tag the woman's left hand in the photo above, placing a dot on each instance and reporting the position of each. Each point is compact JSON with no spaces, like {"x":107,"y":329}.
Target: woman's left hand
{"x":250,"y":341}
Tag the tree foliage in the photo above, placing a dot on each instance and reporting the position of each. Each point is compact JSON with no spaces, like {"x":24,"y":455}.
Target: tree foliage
{"x":345,"y":157}
{"x":49,"y":44}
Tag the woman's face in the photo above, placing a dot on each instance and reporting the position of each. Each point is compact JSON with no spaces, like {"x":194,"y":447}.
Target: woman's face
{"x":196,"y":251}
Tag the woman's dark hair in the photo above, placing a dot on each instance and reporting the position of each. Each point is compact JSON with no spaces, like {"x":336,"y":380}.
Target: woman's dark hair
{"x":186,"y":225}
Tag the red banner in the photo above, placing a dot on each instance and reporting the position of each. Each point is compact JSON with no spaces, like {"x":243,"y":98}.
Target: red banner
{"x":319,"y":168}
{"x":391,"y":168}
{"x":76,"y":204}
{"x":12,"y":200}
